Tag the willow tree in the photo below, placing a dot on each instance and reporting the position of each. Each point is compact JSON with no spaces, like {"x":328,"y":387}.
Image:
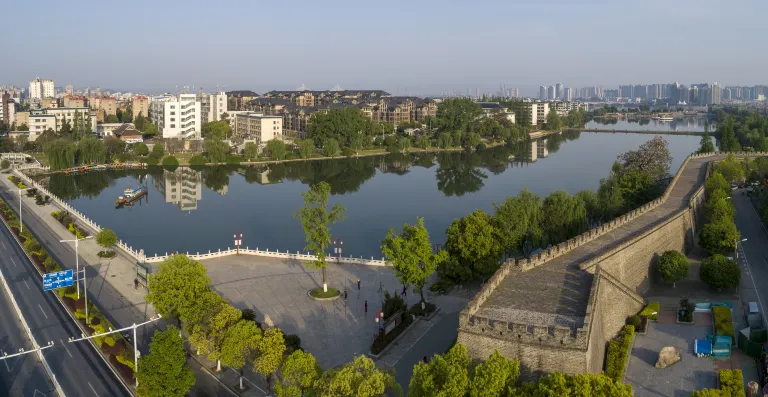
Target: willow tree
{"x":316,"y":219}
{"x":91,"y":150}
{"x":60,"y":153}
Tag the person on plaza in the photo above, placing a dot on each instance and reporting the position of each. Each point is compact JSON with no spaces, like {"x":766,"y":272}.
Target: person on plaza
{"x":345,"y":295}
{"x":426,"y":360}
{"x":358,"y":283}
{"x":404,"y":294}
{"x":366,"y":307}
{"x":135,"y":283}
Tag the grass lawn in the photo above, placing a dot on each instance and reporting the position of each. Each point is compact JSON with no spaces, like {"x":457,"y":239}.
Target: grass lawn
{"x":182,"y":157}
{"x":40,"y":157}
{"x":318,"y":293}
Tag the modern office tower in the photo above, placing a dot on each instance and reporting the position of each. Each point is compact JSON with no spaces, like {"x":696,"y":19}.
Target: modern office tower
{"x":543,"y":93}
{"x":558,"y":91}
{"x":551,"y":93}
{"x":567,"y":94}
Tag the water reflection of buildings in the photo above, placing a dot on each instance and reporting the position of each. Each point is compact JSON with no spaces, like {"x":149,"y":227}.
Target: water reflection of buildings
{"x":538,"y":149}
{"x":183,"y":187}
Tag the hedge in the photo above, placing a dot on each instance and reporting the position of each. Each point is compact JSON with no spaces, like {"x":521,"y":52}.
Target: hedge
{"x":653,"y":307}
{"x":723,"y":322}
{"x":732,"y":382}
{"x":197,"y":160}
{"x":618,"y":351}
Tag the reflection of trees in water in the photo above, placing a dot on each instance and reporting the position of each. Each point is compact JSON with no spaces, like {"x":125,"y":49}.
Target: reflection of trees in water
{"x":457,"y":173}
{"x":216,"y":177}
{"x":344,"y":175}
{"x":70,"y":187}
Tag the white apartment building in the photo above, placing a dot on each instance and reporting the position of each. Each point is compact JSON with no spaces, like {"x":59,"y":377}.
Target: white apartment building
{"x":177,"y":116}
{"x":67,"y":113}
{"x":257,"y":126}
{"x":40,"y":122}
{"x":562,"y":108}
{"x":39,"y":89}
{"x":212,"y":106}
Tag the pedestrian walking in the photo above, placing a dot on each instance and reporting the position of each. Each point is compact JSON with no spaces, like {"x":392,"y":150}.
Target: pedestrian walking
{"x":345,"y":295}
{"x":366,"y":307}
{"x":135,"y":283}
{"x":426,"y":360}
{"x":381,"y":286}
{"x":404,"y":292}
{"x":358,"y":283}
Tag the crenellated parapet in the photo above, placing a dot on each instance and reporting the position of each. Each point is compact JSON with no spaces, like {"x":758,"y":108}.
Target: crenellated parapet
{"x":555,"y":336}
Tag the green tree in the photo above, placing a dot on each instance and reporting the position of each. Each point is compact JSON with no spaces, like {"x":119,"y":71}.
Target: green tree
{"x":251,"y":150}
{"x":112,"y":119}
{"x":240,"y":343}
{"x":518,"y":220}
{"x":652,"y":157}
{"x":5,"y":164}
{"x":553,"y":121}
{"x":592,"y":205}
{"x":170,"y":162}
{"x":331,"y":148}
{"x":717,"y":182}
{"x":23,"y":127}
{"x":164,"y":371}
{"x":720,"y":272}
{"x":114,"y":147}
{"x":728,"y":141}
{"x":471,"y":141}
{"x":276,"y":149}
{"x":91,"y":150}
{"x":731,"y":169}
{"x":66,"y":127}
{"x":106,"y":238}
{"x":359,"y":378}
{"x":141,"y":149}
{"x":306,"y":148}
{"x":270,"y":350}
{"x":673,"y":266}
{"x":457,"y":114}
{"x":315,"y":221}
{"x":495,"y":376}
{"x":637,"y":188}
{"x":141,"y":122}
{"x":217,"y":150}
{"x":446,"y":375}
{"x":60,"y":153}
{"x":710,"y":393}
{"x":563,"y":216}
{"x":558,"y":384}
{"x":175,"y":287}
{"x":411,"y":255}
{"x":473,"y":241}
{"x":340,"y":124}
{"x":719,"y":209}
{"x":158,"y":151}
{"x":719,"y":237}
{"x":150,"y":129}
{"x":403,"y":144}
{"x":219,"y":130}
{"x":706,"y":145}
{"x":208,"y":335}
{"x":298,"y":375}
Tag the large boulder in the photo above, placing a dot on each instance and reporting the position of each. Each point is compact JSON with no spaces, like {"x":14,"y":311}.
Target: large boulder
{"x":667,"y":357}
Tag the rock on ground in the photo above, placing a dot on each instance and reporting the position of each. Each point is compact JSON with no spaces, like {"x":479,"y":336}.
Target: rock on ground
{"x":667,"y":357}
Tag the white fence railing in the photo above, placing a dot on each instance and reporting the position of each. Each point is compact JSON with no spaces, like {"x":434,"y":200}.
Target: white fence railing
{"x":140,"y":257}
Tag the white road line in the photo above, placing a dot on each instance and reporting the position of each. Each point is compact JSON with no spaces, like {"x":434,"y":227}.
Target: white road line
{"x":25,"y":283}
{"x":65,"y":348}
{"x":14,"y":262}
{"x":6,"y":365}
{"x":94,"y":390}
{"x":3,"y":244}
{"x":41,"y":309}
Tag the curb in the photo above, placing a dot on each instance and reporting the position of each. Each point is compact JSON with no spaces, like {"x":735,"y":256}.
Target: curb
{"x":405,"y":331}
{"x":323,"y":299}
{"x":433,"y":314}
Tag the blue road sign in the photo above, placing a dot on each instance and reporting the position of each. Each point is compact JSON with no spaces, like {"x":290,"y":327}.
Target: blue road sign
{"x":58,"y":280}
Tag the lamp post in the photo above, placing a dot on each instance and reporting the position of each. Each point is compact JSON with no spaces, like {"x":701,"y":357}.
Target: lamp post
{"x":337,"y":250}
{"x":77,"y":258}
{"x":736,"y":247}
{"x":22,"y":351}
{"x":238,"y":241}
{"x":137,"y":353}
{"x":21,"y":216}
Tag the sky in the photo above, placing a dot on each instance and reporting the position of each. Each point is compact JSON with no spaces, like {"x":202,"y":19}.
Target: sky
{"x":414,"y":47}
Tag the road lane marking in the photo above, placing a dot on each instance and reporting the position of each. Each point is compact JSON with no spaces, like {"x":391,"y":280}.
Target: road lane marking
{"x":25,"y":283}
{"x":6,"y":365}
{"x":14,"y":262}
{"x":41,"y":309}
{"x":3,"y":244}
{"x":65,"y":348}
{"x":94,"y":390}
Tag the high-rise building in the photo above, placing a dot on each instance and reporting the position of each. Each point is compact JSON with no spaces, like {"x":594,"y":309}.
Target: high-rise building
{"x":654,"y":91}
{"x":640,"y":91}
{"x":625,"y":91}
{"x":176,"y":116}
{"x":212,"y":106}
{"x":543,"y":93}
{"x":567,"y":94}
{"x":551,"y":93}
{"x":684,"y":94}
{"x":140,"y":106}
{"x":558,"y":91}
{"x":39,"y":89}
{"x":7,"y":109}
{"x":716,"y":93}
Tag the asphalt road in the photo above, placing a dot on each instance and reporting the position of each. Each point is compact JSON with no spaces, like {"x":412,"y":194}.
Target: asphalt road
{"x":108,"y":297}
{"x":77,"y":366}
{"x":753,"y":253}
{"x":22,"y":375}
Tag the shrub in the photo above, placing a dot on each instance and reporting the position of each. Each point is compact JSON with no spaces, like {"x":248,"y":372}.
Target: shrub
{"x":291,"y":156}
{"x":150,"y":161}
{"x":234,"y":159}
{"x":651,"y":311}
{"x":685,"y":314}
{"x":126,"y":157}
{"x":722,"y":318}
{"x":635,"y":321}
{"x":141,"y":149}
{"x":416,"y":309}
{"x":720,"y":272}
{"x":732,"y":382}
{"x":673,"y":266}
{"x":347,"y":151}
{"x":170,"y":161}
{"x":197,"y":160}
{"x":292,"y":343}
{"x":392,"y":304}
{"x":618,"y":351}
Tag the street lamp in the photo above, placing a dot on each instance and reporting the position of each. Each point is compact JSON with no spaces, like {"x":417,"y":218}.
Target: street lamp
{"x":22,"y":351}
{"x":137,"y":353}
{"x":21,"y":217}
{"x":77,"y":258}
{"x":238,"y":241}
{"x":736,"y":247}
{"x":337,"y":250}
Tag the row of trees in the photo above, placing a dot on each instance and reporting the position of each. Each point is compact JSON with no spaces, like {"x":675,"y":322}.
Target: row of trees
{"x":741,"y":129}
{"x":181,"y":289}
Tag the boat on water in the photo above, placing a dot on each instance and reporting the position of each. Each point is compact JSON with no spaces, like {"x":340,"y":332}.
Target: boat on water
{"x":663,"y":117}
{"x":130,"y":195}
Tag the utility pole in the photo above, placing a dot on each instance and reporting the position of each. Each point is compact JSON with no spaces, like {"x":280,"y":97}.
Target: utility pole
{"x":21,"y":351}
{"x":77,"y":258}
{"x":21,"y":216}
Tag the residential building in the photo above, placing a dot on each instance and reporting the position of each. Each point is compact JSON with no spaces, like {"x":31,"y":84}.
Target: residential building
{"x":212,"y":106}
{"x":39,"y":123}
{"x":128,"y":133}
{"x":71,"y":101}
{"x":567,"y":94}
{"x":716,"y":93}
{"x":176,"y":116}
{"x":104,"y":130}
{"x":563,"y":107}
{"x":239,"y":100}
{"x":491,"y":108}
{"x":107,"y":104}
{"x":531,"y":113}
{"x":22,"y":118}
{"x":558,"y":91}
{"x":258,"y":127}
{"x":543,"y":93}
{"x":69,"y":114}
{"x":551,"y":93}
{"x":140,"y":105}
{"x":39,"y":89}
{"x":7,"y":109}
{"x":625,"y":91}
{"x":69,"y":90}
{"x":49,"y":103}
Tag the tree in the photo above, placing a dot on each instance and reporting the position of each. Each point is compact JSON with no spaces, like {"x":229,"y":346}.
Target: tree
{"x":106,"y":238}
{"x":66,"y":127}
{"x":517,"y":219}
{"x":717,"y":182}
{"x":331,"y":148}
{"x":731,"y":169}
{"x":276,"y":149}
{"x":637,"y":188}
{"x":60,"y":153}
{"x":164,"y":371}
{"x":208,"y":335}
{"x":411,"y":255}
{"x":240,"y":343}
{"x":306,"y":148}
{"x":652,"y":157}
{"x":728,"y":141}
{"x":563,"y":216}
{"x":706,"y":145}
{"x":457,"y":114}
{"x":710,"y":393}
{"x":718,"y":208}
{"x":495,"y":376}
{"x":112,"y":119}
{"x":673,"y":266}
{"x":176,"y":286}
{"x":150,"y":129}
{"x":141,"y":149}
{"x":719,"y":237}
{"x":720,"y":272}
{"x":113,"y":147}
{"x":315,"y":220}
{"x":23,"y":127}
{"x":359,"y":378}
{"x":171,"y":162}
{"x":471,"y":141}
{"x":445,"y":375}
{"x":251,"y":150}
{"x":298,"y":374}
{"x":559,"y":384}
{"x":217,"y":150}
{"x":553,"y":121}
{"x":474,"y":242}
{"x":141,"y":122}
{"x":270,"y":355}
{"x":158,"y":151}
{"x":91,"y":150}
{"x":216,"y":130}
{"x":5,"y":164}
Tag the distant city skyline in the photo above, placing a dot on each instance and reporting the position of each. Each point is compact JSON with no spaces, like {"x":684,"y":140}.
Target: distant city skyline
{"x":433,"y":47}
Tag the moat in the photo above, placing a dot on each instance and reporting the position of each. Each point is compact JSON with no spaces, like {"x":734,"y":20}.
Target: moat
{"x":199,"y":209}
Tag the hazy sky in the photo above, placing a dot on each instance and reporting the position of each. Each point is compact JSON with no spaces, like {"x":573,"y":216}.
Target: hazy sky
{"x":422,"y":46}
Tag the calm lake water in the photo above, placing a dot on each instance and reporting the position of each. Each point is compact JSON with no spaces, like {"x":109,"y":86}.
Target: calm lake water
{"x":683,"y":124}
{"x":199,"y":210}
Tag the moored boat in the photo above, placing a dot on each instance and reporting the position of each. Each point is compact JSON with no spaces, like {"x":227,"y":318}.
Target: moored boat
{"x":130,"y":195}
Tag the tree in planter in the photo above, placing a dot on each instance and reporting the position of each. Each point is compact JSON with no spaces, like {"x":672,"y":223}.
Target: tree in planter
{"x":164,"y":371}
{"x":107,"y":239}
{"x":315,"y":220}
{"x":360,"y":378}
{"x":240,"y":342}
{"x":208,"y":337}
{"x":177,"y":285}
{"x":673,"y":266}
{"x":719,"y":237}
{"x":411,"y":255}
{"x":720,"y":272}
{"x":269,"y":355}
{"x":297,"y":374}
